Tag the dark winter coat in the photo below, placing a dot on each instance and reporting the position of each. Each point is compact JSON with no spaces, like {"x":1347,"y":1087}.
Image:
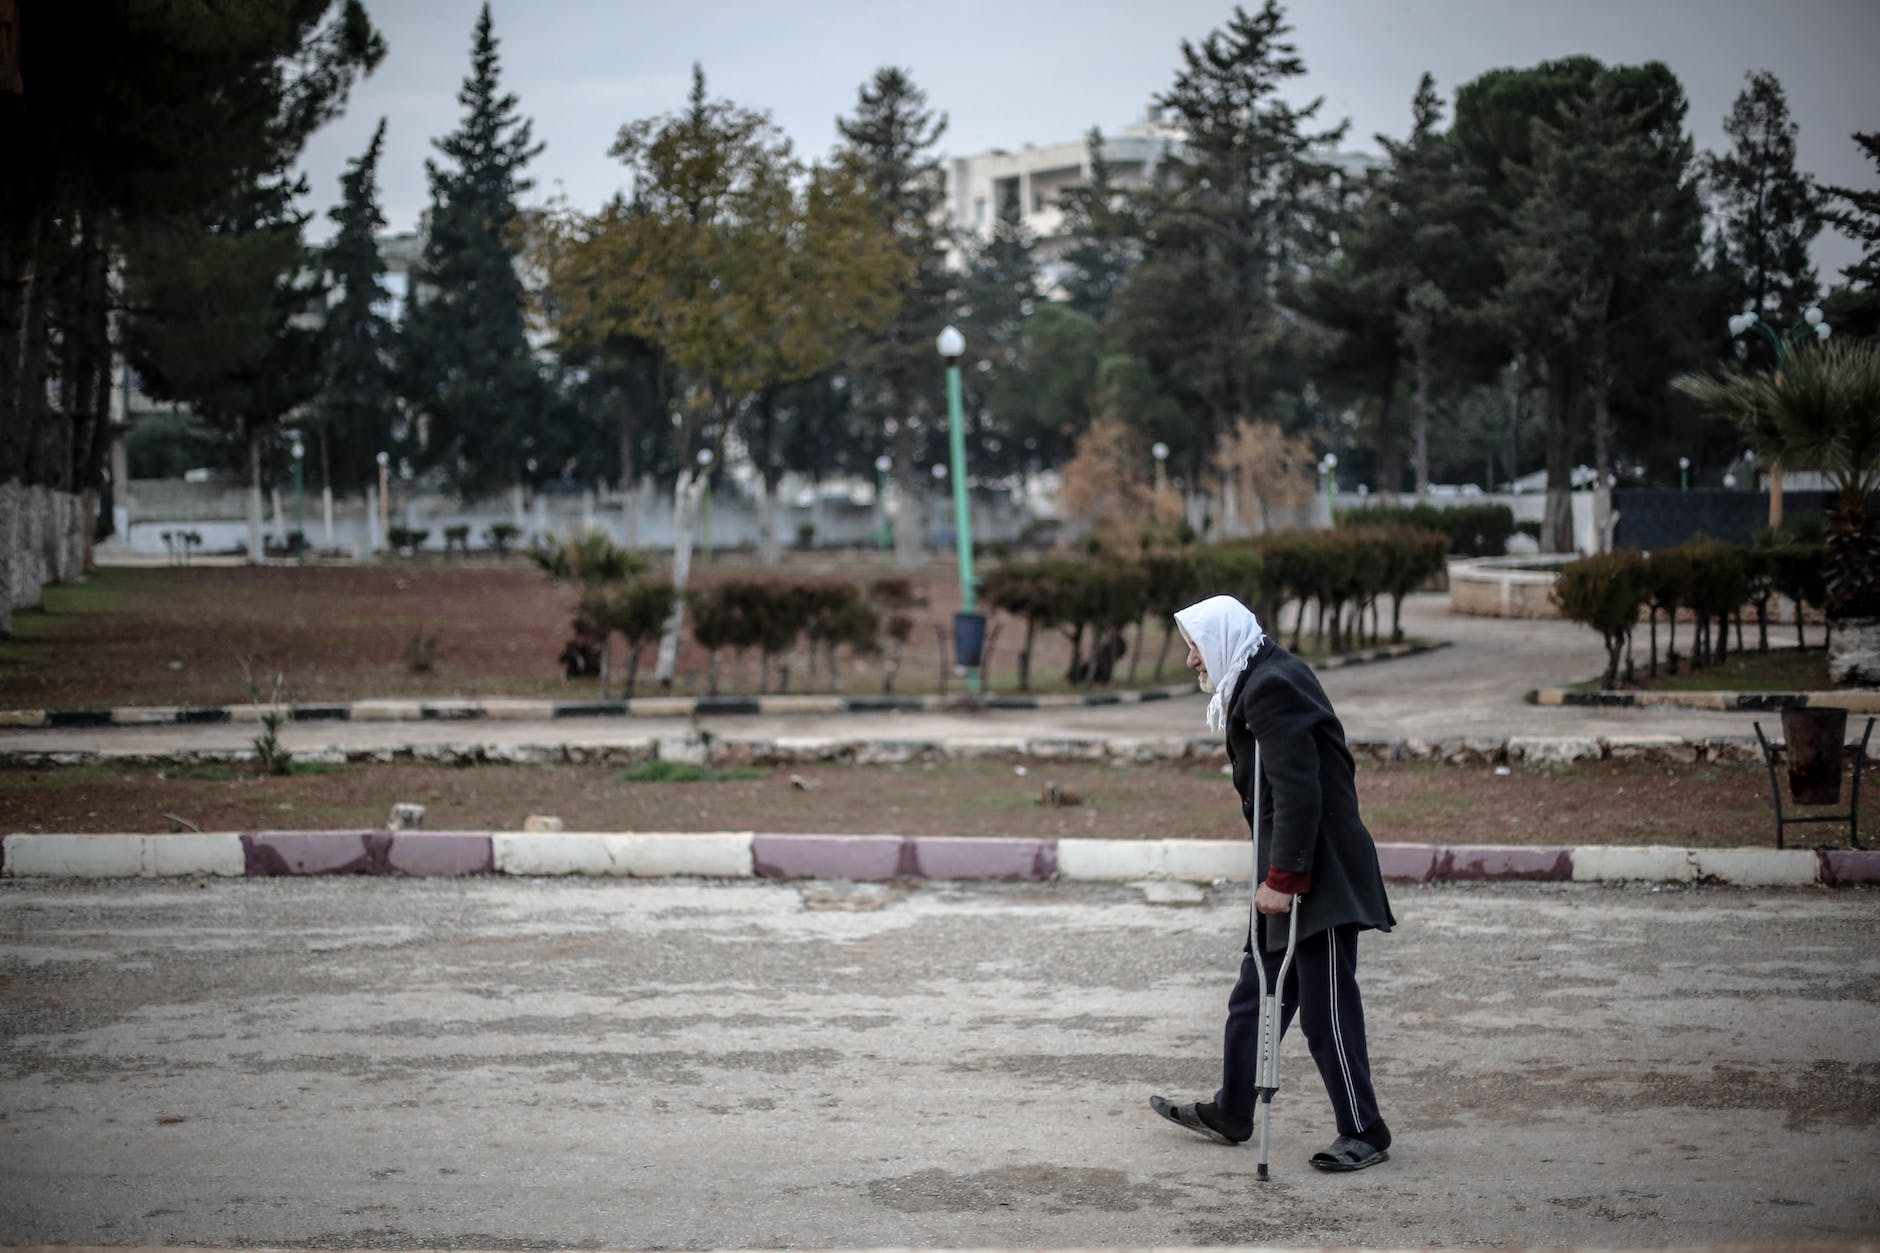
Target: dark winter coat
{"x":1308,"y":795}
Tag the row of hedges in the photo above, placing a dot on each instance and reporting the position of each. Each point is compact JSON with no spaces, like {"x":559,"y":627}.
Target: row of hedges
{"x":1710,"y":581}
{"x":1473,"y":530}
{"x":1094,"y":601}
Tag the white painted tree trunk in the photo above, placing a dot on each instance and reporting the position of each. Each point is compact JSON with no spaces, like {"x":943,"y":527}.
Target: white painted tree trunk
{"x":769,"y":550}
{"x":907,"y":514}
{"x":30,"y":568}
{"x":685,"y":499}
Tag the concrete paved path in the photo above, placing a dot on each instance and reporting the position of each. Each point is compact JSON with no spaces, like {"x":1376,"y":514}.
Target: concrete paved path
{"x":1476,"y":688}
{"x":687,"y":1064}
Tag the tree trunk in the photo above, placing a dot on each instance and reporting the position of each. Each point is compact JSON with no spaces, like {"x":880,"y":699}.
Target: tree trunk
{"x":1557,"y":523}
{"x":1389,"y":450}
{"x":629,"y":494}
{"x":1600,"y":383}
{"x":1420,"y":452}
{"x":685,"y":497}
{"x":252,"y":431}
{"x":770,"y":551}
{"x":909,"y":496}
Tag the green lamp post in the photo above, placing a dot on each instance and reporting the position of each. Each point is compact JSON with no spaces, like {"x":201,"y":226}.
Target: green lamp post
{"x":969,"y":626}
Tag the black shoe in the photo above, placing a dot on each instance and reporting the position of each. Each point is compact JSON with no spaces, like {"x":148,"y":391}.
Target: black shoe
{"x":1189,"y":1116}
{"x":1349,"y":1153}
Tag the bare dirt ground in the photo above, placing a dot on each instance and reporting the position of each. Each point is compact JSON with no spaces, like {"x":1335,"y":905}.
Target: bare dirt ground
{"x":213,"y":635}
{"x":1706,"y":805}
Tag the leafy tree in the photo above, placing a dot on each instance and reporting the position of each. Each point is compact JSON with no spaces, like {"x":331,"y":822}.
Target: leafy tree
{"x":888,"y":143}
{"x":1266,"y":469}
{"x":354,"y":414}
{"x":1046,"y":402}
{"x":741,"y":269}
{"x":471,"y":377}
{"x":1768,"y":213}
{"x":1855,"y":308}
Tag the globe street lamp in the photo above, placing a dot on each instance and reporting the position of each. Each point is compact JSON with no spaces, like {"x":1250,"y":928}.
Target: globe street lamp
{"x":300,"y":502}
{"x":1160,"y":452}
{"x":884,"y":534}
{"x":1812,"y":323}
{"x":1328,"y":473}
{"x":1684,"y":474}
{"x":705,"y":501}
{"x":969,"y":626}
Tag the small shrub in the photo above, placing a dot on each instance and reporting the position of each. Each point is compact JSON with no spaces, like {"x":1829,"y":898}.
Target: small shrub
{"x":500,"y":535}
{"x":1604,"y":591}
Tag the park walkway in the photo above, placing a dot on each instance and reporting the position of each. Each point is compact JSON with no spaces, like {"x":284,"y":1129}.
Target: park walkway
{"x":1475,"y":688}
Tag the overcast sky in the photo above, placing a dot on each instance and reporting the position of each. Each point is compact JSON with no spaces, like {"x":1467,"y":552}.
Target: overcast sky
{"x":1011,"y":72}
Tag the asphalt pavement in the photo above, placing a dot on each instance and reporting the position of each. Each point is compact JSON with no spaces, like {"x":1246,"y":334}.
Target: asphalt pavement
{"x":490,"y":1063}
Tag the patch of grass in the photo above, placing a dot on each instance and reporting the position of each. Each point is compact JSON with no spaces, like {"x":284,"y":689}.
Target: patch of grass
{"x":686,"y":772}
{"x":314,"y":767}
{"x":210,"y":774}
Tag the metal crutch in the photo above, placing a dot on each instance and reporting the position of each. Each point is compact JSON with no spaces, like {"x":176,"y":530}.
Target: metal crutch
{"x":1266,"y":1062}
{"x":1266,"y":1069}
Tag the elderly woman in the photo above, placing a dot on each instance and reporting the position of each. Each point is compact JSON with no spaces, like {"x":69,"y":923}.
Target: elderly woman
{"x":1308,"y":843}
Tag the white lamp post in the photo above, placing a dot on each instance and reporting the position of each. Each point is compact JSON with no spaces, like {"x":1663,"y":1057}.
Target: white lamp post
{"x":884,"y":534}
{"x":705,"y":502}
{"x":1159,"y":451}
{"x":969,"y":626}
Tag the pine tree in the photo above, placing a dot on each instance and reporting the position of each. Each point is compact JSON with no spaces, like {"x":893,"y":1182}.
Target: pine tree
{"x":354,"y":415}
{"x":1097,"y":219}
{"x":998,"y":295}
{"x":1247,"y":211}
{"x":1854,"y":309}
{"x":474,"y":386}
{"x":1767,"y":212}
{"x":888,"y":142}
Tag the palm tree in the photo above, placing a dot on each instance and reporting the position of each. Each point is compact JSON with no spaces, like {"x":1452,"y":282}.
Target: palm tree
{"x":1822,"y":412}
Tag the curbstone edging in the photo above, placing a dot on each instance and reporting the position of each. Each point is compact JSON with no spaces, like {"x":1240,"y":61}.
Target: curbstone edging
{"x":743,"y":855}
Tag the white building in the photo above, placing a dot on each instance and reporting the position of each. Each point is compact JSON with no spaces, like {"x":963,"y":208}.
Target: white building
{"x":1031,"y":180}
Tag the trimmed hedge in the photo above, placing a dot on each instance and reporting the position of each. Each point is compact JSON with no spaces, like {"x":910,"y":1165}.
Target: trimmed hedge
{"x":1473,"y":530}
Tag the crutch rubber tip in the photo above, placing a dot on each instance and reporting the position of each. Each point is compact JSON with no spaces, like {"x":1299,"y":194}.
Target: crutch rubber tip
{"x":1262,"y":1171}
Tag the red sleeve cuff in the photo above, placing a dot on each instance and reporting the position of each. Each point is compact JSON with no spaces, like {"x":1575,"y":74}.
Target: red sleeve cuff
{"x":1291,"y":882}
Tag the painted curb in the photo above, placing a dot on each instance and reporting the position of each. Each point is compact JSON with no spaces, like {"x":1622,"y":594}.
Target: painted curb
{"x":743,"y":855}
{"x":514,"y":708}
{"x":1859,"y":701}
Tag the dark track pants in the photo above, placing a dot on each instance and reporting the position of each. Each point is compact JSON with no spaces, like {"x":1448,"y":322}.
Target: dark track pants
{"x":1322,"y":988}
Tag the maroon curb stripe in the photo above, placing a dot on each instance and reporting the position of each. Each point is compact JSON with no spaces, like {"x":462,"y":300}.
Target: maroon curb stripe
{"x":827,"y":856}
{"x":1406,"y":863}
{"x":1840,"y":867}
{"x":441,"y":853}
{"x":267,"y":853}
{"x":966,"y":857}
{"x":1491,"y":861}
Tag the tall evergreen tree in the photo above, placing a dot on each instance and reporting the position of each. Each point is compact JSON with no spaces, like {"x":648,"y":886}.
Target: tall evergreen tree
{"x":1855,"y":308}
{"x":1103,"y":231}
{"x":475,"y":388}
{"x":1246,"y":211}
{"x":888,"y":142}
{"x":998,"y":292}
{"x":1767,"y":212}
{"x":354,"y":415}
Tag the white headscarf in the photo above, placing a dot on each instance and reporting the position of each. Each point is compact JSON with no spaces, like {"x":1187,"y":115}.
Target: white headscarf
{"x":1227,"y":635}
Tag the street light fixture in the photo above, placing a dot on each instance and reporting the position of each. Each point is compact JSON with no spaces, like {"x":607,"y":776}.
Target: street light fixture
{"x":1813,"y":323}
{"x":1159,"y":451}
{"x":884,"y":534}
{"x":1684,"y":474}
{"x":1328,"y":473}
{"x":969,"y":626}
